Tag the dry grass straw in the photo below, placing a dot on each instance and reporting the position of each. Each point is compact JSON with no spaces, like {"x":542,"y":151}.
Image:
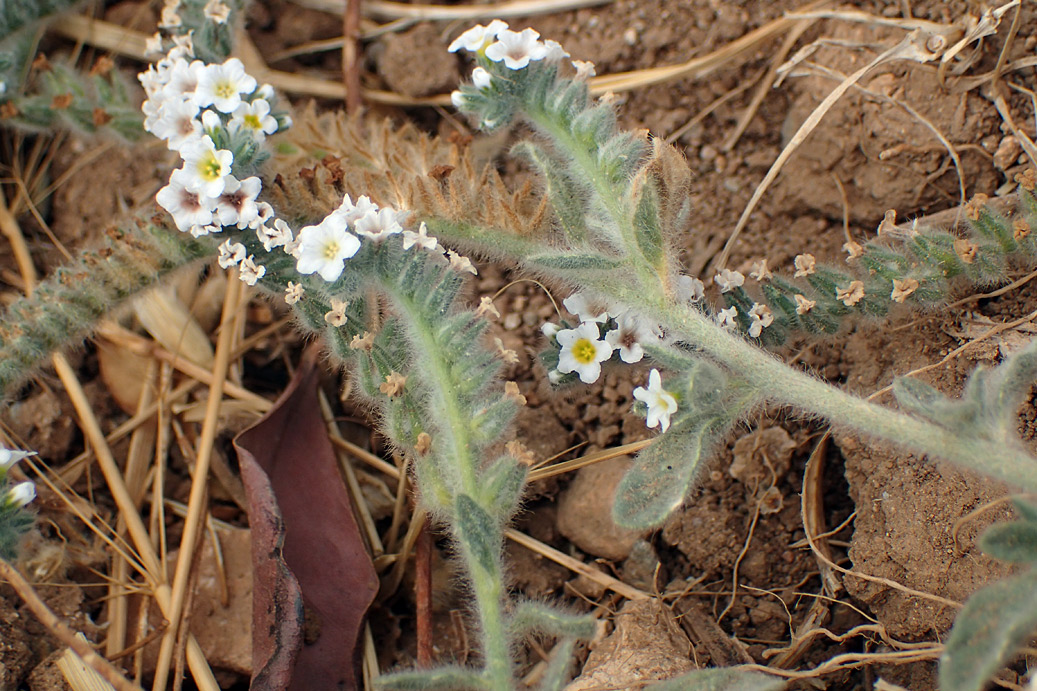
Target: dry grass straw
{"x":148,"y":559}
{"x":197,"y":511}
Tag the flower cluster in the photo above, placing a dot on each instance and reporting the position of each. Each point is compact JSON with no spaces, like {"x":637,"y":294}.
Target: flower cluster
{"x":496,"y":45}
{"x":211,"y":115}
{"x":606,"y":334}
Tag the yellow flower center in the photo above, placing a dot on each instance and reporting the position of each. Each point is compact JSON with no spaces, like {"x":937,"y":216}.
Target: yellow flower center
{"x":331,"y":250}
{"x":224,"y":90}
{"x":209,"y":167}
{"x":584,"y":351}
{"x":252,"y":121}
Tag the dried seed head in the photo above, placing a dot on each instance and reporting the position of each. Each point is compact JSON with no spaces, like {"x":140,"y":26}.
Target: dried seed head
{"x":520,"y":453}
{"x":365,"y":342}
{"x":805,"y":265}
{"x":803,"y":305}
{"x":423,"y":444}
{"x":1020,"y":229}
{"x":853,"y":249}
{"x":486,"y":307}
{"x":966,"y":249}
{"x":511,"y":390}
{"x":903,"y":288}
{"x":974,"y":206}
{"x":393,"y":385}
{"x":851,"y":294}
{"x":889,"y":223}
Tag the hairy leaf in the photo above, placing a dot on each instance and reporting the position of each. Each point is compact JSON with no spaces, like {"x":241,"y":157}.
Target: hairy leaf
{"x":988,"y":631}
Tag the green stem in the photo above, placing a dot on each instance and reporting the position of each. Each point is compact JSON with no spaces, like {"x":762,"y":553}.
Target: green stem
{"x":783,"y":384}
{"x":489,"y":597}
{"x":454,"y":427}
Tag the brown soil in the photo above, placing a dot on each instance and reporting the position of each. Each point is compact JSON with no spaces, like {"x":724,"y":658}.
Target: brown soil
{"x":735,"y":553}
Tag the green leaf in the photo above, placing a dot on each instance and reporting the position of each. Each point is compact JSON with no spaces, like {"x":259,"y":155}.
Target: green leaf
{"x":535,"y":617}
{"x":988,"y":631}
{"x":662,"y":474}
{"x":727,"y":679}
{"x":568,"y":261}
{"x":1015,"y":542}
{"x":566,"y":200}
{"x":478,"y":533}
{"x":502,"y":485}
{"x":647,"y":229}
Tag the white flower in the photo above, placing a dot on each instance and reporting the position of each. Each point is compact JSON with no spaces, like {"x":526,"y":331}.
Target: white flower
{"x":211,"y":122}
{"x":221,"y":86}
{"x":726,"y":318}
{"x":481,"y":78}
{"x":629,"y":334}
{"x":378,"y":225}
{"x":351,"y":212}
{"x":805,"y":265}
{"x":237,"y":205}
{"x":8,"y":457}
{"x":516,"y":49}
{"x":661,"y":403}
{"x":760,"y":271}
{"x":188,"y":208}
{"x":460,"y":263}
{"x":324,"y":248}
{"x":421,"y":238}
{"x":761,"y":317}
{"x":231,"y":254}
{"x":153,"y":45}
{"x":279,"y":236}
{"x":207,"y":168}
{"x":550,"y":329}
{"x":250,"y":272}
{"x":266,"y":212}
{"x":183,"y":45}
{"x":577,"y":304}
{"x":689,"y":289}
{"x":728,"y":279}
{"x":457,"y":99}
{"x":177,"y":123}
{"x":555,"y":52}
{"x":200,"y":230}
{"x":584,"y":70}
{"x":254,"y":117}
{"x":583,"y":351}
{"x":554,"y":376}
{"x":21,"y":494}
{"x":216,"y":11}
{"x":478,"y":37}
{"x":293,"y":293}
{"x":181,"y":81}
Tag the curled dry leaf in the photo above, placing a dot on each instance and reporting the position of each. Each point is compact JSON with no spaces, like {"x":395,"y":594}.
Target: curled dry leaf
{"x":314,"y":579}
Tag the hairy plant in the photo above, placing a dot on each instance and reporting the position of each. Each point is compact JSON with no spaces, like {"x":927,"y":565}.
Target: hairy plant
{"x":607,"y":221}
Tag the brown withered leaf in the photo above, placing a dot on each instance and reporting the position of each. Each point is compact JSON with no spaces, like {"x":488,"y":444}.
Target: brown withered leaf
{"x":313,"y":577}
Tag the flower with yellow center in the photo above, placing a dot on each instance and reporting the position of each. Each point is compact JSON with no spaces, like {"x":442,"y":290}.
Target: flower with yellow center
{"x":221,"y":86}
{"x":324,"y":248}
{"x":206,"y":167}
{"x":583,"y":351}
{"x":254,"y":118}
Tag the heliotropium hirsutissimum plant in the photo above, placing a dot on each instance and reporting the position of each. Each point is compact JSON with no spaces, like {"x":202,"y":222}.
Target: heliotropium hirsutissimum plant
{"x":383,"y":293}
